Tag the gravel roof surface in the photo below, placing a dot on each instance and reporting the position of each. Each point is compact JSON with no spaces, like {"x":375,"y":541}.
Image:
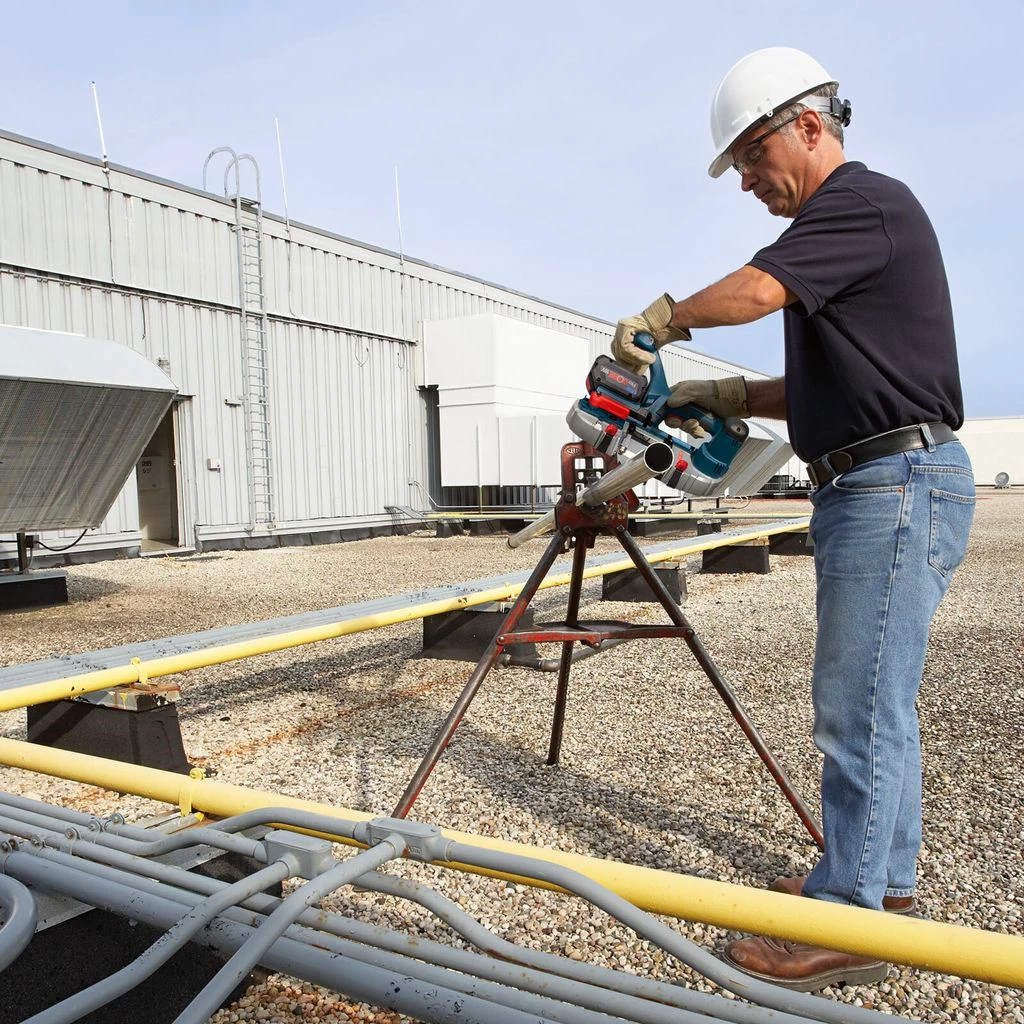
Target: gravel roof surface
{"x":654,"y":771}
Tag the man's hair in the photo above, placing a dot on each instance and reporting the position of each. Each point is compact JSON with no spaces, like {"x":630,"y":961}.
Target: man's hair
{"x":832,"y":125}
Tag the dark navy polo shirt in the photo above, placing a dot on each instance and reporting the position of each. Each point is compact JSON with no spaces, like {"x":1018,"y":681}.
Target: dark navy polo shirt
{"x":870,"y":345}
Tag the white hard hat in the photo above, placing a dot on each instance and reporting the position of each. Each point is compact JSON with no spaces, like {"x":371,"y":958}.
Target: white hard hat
{"x":754,"y":88}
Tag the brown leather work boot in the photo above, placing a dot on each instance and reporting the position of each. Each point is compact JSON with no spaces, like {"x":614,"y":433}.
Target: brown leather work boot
{"x":891,"y":904}
{"x":801,"y":967}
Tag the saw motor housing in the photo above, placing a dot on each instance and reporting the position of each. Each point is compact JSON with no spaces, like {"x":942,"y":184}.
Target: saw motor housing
{"x":623,"y":413}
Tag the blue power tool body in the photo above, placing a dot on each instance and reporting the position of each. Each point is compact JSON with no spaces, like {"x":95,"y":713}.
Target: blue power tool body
{"x":624,"y":412}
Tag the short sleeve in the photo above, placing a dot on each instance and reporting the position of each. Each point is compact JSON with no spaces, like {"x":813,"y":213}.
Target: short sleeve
{"x":837,"y":245}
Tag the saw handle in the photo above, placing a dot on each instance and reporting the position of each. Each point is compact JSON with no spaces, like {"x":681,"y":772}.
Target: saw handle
{"x":659,"y":390}
{"x":724,"y":436}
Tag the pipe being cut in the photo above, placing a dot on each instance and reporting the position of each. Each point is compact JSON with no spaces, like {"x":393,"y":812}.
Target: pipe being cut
{"x":656,"y":459}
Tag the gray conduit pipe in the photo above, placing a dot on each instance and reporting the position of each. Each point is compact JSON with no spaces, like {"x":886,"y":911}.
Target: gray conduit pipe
{"x":19,"y":914}
{"x":388,"y":950}
{"x":144,"y":965}
{"x":209,"y":999}
{"x":648,"y":927}
{"x":151,"y":846}
{"x":388,"y":945}
{"x":472,"y":966}
{"x":179,"y":877}
{"x":651,"y":991}
{"x":402,"y":992}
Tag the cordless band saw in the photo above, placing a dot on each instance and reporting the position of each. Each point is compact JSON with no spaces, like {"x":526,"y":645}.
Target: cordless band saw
{"x":623,"y":413}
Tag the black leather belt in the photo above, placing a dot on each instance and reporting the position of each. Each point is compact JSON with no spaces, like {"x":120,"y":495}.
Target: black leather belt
{"x":906,"y":439}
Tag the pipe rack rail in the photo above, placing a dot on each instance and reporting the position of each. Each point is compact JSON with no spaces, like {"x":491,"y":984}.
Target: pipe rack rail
{"x":40,"y":682}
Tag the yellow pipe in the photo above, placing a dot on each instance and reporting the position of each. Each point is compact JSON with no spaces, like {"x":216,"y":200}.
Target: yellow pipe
{"x":722,"y":513}
{"x":139,"y":671}
{"x":946,"y":948}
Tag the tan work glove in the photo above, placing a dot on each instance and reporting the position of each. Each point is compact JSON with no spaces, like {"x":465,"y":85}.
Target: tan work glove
{"x":655,"y":320}
{"x":725,"y":397}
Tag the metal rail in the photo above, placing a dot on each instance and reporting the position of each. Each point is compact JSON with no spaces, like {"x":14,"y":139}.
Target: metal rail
{"x":40,"y":682}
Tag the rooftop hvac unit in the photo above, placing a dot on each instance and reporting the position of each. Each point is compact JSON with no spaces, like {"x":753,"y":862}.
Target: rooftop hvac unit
{"x":75,"y":415}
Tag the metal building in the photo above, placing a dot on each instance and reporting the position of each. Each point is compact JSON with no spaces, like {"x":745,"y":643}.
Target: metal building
{"x":302,"y":406}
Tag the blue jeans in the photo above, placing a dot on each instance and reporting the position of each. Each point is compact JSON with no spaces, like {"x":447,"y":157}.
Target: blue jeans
{"x":887,"y":536}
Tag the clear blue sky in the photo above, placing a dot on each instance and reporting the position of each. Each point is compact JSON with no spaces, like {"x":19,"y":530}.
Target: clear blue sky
{"x":559,"y":148}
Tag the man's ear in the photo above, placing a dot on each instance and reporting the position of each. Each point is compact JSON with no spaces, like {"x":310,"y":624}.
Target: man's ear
{"x":810,"y":128}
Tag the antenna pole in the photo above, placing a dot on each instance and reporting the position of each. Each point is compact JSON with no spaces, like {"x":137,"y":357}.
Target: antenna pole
{"x":99,"y":122}
{"x":280,"y":160}
{"x":398,"y":207}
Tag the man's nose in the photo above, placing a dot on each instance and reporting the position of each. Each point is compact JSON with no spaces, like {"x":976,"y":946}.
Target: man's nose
{"x":747,"y":180}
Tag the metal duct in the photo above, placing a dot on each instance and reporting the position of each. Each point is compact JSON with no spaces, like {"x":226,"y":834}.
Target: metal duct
{"x":75,"y":416}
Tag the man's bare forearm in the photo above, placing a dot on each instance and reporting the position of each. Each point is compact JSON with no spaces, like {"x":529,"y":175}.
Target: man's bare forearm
{"x":745,"y":295}
{"x":767,"y":398}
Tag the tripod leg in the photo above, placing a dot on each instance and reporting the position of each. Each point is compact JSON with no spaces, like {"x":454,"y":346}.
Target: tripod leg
{"x":484,"y":665}
{"x":572,"y":613}
{"x":725,"y":691}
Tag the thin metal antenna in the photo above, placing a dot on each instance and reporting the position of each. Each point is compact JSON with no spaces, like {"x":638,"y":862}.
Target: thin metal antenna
{"x":398,"y":207}
{"x":99,"y":121}
{"x":280,"y":160}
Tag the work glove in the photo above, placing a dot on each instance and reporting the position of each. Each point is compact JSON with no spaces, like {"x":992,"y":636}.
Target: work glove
{"x":724,"y":397}
{"x":655,"y":320}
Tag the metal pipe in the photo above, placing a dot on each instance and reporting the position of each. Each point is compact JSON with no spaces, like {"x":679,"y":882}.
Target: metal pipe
{"x":946,"y":948}
{"x":762,"y":992}
{"x":18,"y":917}
{"x":583,"y":987}
{"x":400,"y":991}
{"x":145,"y":965}
{"x":656,"y":459}
{"x":214,"y":993}
{"x":15,"y":697}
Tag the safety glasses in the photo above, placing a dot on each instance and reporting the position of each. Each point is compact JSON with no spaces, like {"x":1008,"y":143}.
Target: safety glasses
{"x":753,"y":151}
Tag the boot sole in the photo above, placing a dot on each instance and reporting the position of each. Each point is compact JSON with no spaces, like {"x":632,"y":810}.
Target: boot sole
{"x":867,"y":975}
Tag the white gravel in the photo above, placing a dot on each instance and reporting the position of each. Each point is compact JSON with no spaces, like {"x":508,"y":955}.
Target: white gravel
{"x":654,"y":770}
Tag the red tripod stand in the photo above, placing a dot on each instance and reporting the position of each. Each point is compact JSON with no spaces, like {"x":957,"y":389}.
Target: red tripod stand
{"x":576,"y":529}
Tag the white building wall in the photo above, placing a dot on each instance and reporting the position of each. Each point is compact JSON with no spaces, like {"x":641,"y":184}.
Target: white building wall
{"x":995,"y":446}
{"x":111,"y":253}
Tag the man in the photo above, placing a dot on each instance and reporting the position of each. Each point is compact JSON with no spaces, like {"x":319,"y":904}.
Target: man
{"x":871,"y":393}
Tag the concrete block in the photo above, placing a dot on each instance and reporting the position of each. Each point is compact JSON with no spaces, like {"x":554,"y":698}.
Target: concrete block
{"x":708,"y":526}
{"x":791,"y":544}
{"x":150,"y":737}
{"x":629,"y":585}
{"x":41,"y":588}
{"x":749,"y":557}
{"x":466,"y":635}
{"x":484,"y":527}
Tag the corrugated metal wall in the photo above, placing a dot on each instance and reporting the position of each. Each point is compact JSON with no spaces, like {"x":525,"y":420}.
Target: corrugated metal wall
{"x":111,"y":253}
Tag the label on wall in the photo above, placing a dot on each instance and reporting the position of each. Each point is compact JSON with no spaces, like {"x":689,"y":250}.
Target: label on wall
{"x":151,"y":472}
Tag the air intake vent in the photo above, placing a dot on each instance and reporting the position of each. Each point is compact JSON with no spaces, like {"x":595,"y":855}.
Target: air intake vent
{"x":75,"y":415}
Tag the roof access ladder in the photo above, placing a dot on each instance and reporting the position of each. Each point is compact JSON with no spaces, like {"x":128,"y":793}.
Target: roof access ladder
{"x":254,"y":337}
